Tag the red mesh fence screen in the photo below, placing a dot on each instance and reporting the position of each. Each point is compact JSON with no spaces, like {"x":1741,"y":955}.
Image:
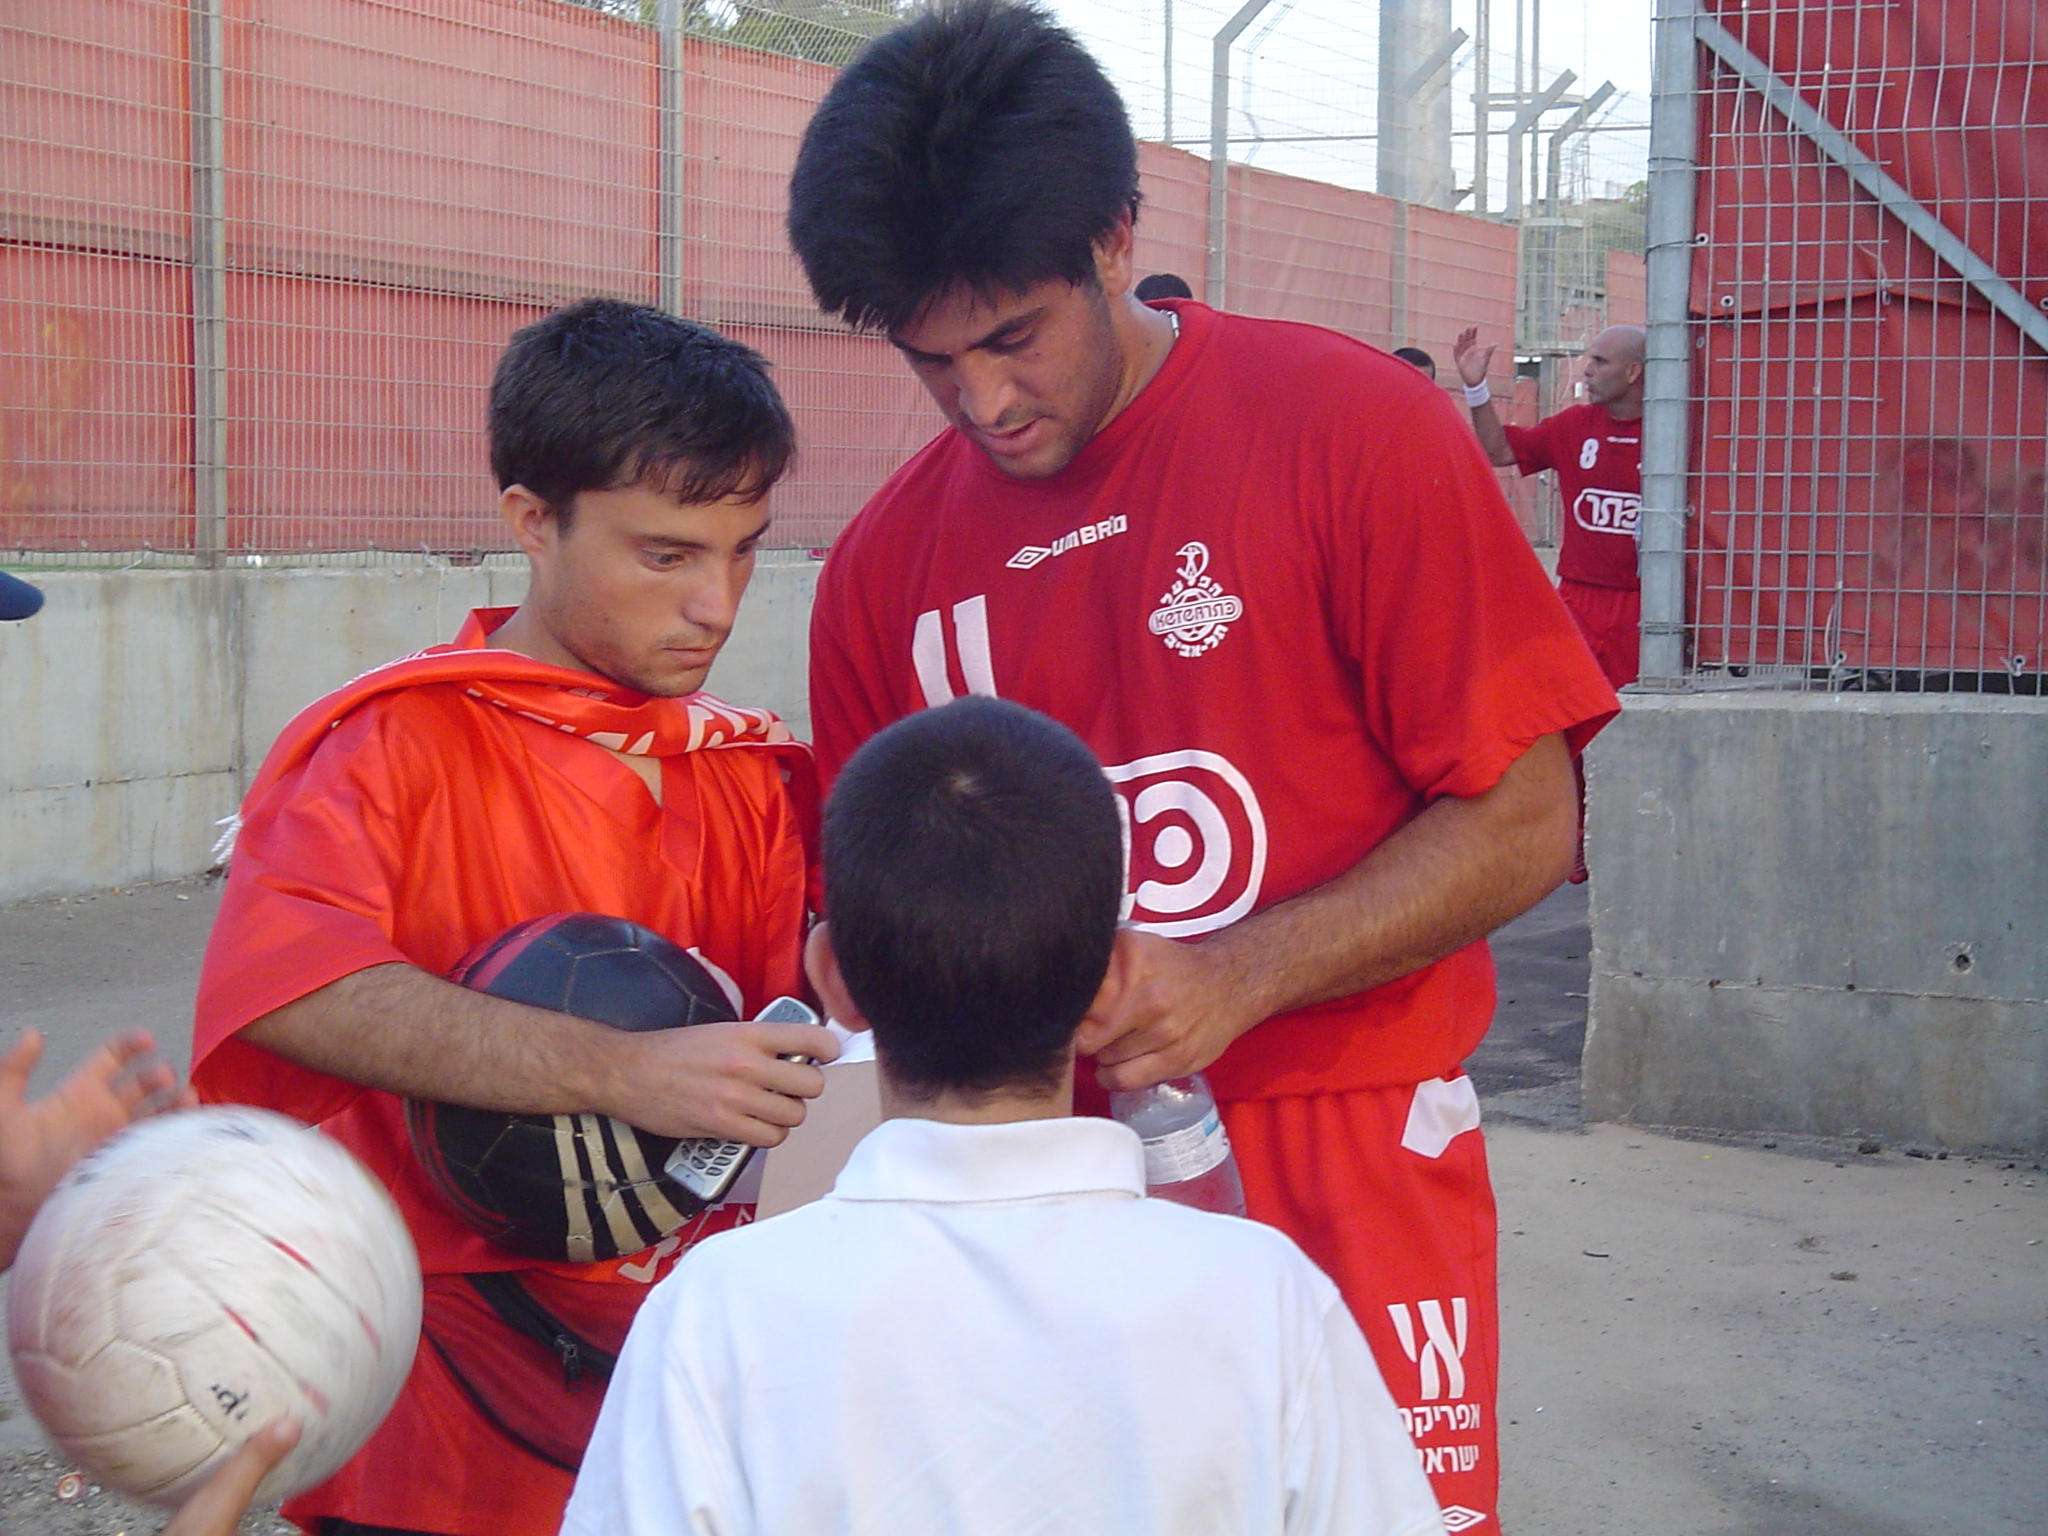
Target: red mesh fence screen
{"x":1871,"y":429}
{"x":403,"y":187}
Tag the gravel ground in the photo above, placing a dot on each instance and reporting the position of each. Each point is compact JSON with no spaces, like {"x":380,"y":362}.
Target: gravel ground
{"x":1702,"y":1335}
{"x":78,"y":970}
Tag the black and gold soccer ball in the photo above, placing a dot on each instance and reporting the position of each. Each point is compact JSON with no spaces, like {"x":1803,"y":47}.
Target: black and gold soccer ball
{"x":570,"y":1187}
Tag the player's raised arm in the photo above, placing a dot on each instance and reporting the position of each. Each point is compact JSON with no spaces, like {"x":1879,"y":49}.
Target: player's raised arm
{"x":1473,"y":360}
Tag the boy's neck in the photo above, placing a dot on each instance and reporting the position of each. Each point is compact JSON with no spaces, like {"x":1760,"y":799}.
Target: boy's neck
{"x":1002,"y":1107}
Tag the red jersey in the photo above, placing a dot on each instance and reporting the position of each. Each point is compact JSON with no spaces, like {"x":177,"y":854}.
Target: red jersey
{"x":1599,"y":465}
{"x":424,"y":808}
{"x":1281,"y":596}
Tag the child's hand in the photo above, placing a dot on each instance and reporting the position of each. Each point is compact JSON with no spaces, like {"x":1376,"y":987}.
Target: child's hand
{"x":121,"y":1081}
{"x":217,"y":1508}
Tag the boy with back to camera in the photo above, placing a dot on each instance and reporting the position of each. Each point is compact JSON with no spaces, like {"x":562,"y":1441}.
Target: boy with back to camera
{"x":985,"y":1326}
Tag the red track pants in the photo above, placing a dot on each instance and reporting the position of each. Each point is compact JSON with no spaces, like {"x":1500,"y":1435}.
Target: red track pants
{"x":1387,"y":1190}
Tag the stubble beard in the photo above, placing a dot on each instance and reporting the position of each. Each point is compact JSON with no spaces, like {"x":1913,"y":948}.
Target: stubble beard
{"x":1093,"y":411}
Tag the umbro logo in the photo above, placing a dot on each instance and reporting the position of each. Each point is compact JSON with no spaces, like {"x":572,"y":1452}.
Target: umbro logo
{"x":1090,"y":533}
{"x":1458,"y":1518}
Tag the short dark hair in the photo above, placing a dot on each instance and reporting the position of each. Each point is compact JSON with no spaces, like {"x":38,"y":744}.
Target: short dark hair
{"x":973,"y":877}
{"x":605,"y":394}
{"x":1415,"y":357}
{"x":1162,"y":285}
{"x":977,"y":144}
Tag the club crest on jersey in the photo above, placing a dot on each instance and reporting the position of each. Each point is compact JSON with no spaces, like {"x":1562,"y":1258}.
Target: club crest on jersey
{"x":1196,"y":613}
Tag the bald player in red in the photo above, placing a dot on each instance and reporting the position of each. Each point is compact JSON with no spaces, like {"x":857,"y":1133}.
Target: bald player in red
{"x":1261,"y":569}
{"x":1595,"y":449}
{"x":557,"y":757}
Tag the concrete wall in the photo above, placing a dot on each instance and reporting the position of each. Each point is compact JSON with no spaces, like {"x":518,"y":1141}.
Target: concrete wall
{"x":135,"y":706}
{"x":1824,"y":914}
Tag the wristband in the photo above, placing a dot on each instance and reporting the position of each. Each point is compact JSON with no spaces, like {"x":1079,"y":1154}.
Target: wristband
{"x":1478,"y":394}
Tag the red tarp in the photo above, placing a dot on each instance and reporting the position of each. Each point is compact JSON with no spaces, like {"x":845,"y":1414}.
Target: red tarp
{"x":408,"y":185}
{"x":1869,"y":437}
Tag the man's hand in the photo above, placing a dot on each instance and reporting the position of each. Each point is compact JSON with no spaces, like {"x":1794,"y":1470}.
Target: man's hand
{"x":1170,"y":1009}
{"x":1473,"y":361}
{"x":121,"y":1081}
{"x":217,"y":1508}
{"x":1453,"y":874}
{"x":723,"y":1080}
{"x":396,"y":1028}
{"x":1471,"y":358}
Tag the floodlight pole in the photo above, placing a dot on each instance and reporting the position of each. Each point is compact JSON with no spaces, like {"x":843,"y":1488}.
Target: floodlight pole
{"x":1219,"y":145}
{"x":1530,"y":112}
{"x":1558,"y":139}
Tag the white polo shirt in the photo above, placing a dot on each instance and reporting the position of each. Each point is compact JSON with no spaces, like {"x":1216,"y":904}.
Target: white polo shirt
{"x":988,"y":1329}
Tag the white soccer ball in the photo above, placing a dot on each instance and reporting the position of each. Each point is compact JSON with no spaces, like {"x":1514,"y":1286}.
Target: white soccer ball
{"x":199,"y":1275}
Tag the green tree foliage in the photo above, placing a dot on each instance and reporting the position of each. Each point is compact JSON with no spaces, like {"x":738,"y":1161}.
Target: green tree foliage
{"x":823,"y":31}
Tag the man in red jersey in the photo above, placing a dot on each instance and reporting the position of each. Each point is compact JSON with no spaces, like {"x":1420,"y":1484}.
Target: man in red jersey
{"x":558,"y":757}
{"x":1596,"y":450}
{"x":1260,"y":569}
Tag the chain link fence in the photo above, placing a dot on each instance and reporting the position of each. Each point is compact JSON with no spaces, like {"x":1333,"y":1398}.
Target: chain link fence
{"x":1869,"y":336}
{"x":258,"y":257}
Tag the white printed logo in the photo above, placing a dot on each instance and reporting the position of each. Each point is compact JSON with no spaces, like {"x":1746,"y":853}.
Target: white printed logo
{"x":1589,"y":453}
{"x":1607,"y":511}
{"x":1194,"y":842}
{"x":970,"y":640}
{"x":643,"y":1272}
{"x":1091,"y":533}
{"x":1459,"y":1518}
{"x":1440,"y":1350}
{"x":1196,"y":613}
{"x":1194,"y":836}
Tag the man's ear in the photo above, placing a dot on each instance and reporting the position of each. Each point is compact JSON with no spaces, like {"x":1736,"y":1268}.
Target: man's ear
{"x":531,"y":520}
{"x":821,"y":964}
{"x":1113,"y":258}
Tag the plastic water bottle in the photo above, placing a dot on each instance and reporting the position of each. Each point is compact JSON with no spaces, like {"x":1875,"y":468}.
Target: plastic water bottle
{"x":1187,"y":1153}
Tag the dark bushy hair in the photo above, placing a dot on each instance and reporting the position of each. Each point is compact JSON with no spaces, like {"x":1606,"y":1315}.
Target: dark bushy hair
{"x":973,"y":875}
{"x":1162,"y":285}
{"x":605,"y":394}
{"x":977,"y":144}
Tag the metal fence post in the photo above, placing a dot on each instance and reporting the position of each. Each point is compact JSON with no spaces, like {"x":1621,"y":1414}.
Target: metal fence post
{"x":668,"y":228}
{"x":1482,"y":105}
{"x":1167,"y":83}
{"x":1219,"y":145}
{"x":209,"y":289}
{"x":1667,"y":364}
